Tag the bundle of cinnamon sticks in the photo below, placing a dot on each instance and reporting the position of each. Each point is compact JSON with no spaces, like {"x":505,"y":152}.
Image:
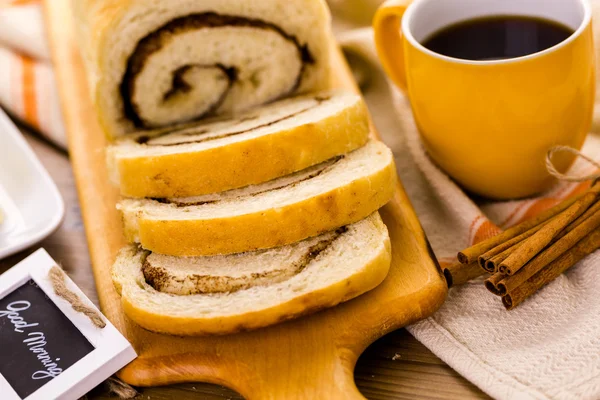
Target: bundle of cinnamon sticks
{"x":524,"y":258}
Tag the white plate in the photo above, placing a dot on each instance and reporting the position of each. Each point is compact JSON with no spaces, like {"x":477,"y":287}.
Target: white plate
{"x":30,"y":203}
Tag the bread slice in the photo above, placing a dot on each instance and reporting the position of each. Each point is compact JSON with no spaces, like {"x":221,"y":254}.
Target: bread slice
{"x":156,"y":63}
{"x":230,"y":273}
{"x":348,"y":264}
{"x":254,"y":147}
{"x":289,"y":209}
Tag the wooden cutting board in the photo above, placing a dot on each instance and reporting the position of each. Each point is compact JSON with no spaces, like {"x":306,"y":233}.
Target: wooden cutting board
{"x":310,"y":358}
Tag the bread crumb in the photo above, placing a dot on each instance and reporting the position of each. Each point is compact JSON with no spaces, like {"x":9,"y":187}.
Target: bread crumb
{"x":396,"y":357}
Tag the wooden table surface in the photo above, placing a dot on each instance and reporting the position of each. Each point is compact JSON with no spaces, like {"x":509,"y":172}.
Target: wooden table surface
{"x":394,"y":367}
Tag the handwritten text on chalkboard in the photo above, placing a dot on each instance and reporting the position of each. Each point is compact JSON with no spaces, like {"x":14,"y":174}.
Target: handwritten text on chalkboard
{"x":37,"y":341}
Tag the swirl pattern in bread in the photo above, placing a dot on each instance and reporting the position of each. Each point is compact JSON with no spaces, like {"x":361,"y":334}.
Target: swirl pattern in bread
{"x":227,"y":299}
{"x":308,"y":203}
{"x":251,"y":148}
{"x":156,"y":63}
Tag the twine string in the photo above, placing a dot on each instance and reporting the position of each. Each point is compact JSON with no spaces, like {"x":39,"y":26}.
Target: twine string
{"x":565,"y":177}
{"x":120,"y":389}
{"x":57,"y":277}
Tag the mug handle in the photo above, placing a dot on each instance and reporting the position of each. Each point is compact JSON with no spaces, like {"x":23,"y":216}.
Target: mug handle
{"x":388,"y":40}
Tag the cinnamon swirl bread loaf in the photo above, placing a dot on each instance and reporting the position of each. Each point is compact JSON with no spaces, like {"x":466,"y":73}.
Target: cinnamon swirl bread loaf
{"x":254,"y":147}
{"x":155,"y":63}
{"x":308,"y":203}
{"x":226,"y":294}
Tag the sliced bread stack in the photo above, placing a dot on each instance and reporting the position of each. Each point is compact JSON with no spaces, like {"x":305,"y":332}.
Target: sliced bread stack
{"x":225,"y":257}
{"x":254,"y":214}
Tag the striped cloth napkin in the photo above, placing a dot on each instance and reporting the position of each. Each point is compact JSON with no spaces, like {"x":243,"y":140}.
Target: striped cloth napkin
{"x":547,"y":348}
{"x":27,"y":86}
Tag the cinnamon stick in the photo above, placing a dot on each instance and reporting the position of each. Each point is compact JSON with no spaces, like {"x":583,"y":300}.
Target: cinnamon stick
{"x":491,"y":283}
{"x":471,"y":254}
{"x":493,"y":263}
{"x":544,"y":236}
{"x":503,"y":247}
{"x":591,"y":211}
{"x":586,"y":246}
{"x":459,"y":274}
{"x":510,"y":283}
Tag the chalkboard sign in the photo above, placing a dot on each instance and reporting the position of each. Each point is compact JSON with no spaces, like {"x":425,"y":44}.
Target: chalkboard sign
{"x":47,"y":349}
{"x":38,"y":341}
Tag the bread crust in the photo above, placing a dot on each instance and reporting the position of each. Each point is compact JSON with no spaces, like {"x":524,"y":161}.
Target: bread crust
{"x":267,"y":228}
{"x":242,"y":163}
{"x":348,"y":287}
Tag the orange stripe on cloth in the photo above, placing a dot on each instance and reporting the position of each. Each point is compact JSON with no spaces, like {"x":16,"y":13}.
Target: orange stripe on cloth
{"x":22,"y":2}
{"x":560,"y":194}
{"x":30,"y":110}
{"x":15,"y":84}
{"x":472,"y":226}
{"x":544,"y":204}
{"x":485,"y":231}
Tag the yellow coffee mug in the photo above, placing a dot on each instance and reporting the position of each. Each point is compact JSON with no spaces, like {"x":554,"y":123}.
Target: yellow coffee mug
{"x":489,"y":124}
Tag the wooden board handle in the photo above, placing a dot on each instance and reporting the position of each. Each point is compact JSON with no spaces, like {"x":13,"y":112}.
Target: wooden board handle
{"x":320,"y":371}
{"x":307,"y":381}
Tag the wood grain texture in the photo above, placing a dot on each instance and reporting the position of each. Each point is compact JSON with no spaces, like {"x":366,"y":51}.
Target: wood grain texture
{"x":312,"y":357}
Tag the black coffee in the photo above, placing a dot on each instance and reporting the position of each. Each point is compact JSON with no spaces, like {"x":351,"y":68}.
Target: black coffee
{"x":497,"y":38}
